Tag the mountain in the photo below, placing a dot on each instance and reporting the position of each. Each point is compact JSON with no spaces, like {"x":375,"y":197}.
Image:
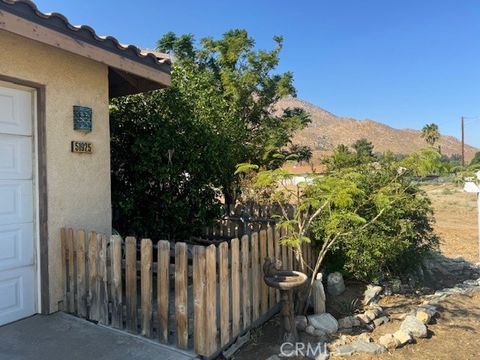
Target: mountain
{"x":328,"y":130}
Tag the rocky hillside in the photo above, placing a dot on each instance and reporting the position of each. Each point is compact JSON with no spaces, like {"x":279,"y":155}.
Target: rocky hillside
{"x":328,"y":130}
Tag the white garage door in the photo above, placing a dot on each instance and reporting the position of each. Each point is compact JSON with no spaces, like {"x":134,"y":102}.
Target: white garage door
{"x":17,"y":255}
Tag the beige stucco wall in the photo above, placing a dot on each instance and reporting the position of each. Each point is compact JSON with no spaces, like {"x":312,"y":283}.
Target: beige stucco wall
{"x":78,"y":185}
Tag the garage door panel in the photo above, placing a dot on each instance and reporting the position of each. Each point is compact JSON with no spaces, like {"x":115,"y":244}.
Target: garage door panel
{"x":15,"y":157}
{"x":16,"y":246}
{"x":15,"y":111}
{"x":16,"y":202}
{"x":17,"y":249}
{"x":17,"y":294}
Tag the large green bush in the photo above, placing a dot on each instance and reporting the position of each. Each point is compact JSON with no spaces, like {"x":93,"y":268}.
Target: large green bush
{"x":369,"y":219}
{"x":397,"y":239}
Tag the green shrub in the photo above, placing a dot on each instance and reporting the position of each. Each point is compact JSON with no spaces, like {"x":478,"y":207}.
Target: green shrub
{"x":397,"y":239}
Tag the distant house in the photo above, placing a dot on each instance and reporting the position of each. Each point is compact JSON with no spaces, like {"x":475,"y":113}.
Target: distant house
{"x":56,"y":80}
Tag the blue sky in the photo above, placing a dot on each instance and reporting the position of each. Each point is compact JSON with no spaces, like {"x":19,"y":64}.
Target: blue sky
{"x":402,"y":62}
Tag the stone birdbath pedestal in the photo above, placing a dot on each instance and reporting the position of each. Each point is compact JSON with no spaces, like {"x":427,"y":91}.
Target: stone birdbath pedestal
{"x":286,"y":281}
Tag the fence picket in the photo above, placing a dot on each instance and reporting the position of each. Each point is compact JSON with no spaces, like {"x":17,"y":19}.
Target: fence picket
{"x":93,"y":280}
{"x":255,"y":278}
{"x":271,"y":253}
{"x":211,"y":299}
{"x":235,"y":287}
{"x":181,"y":285}
{"x":71,"y":276}
{"x":146,"y":286}
{"x":81,"y":280}
{"x":63,"y":247}
{"x":131,"y":283}
{"x":103,"y":276}
{"x":263,"y":286}
{"x":163,"y":288}
{"x":224,"y":283}
{"x":199,"y":289}
{"x":246,"y":303}
{"x":116,"y":288}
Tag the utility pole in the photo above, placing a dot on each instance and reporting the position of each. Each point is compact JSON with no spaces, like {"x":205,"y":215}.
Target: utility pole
{"x":463,"y":142}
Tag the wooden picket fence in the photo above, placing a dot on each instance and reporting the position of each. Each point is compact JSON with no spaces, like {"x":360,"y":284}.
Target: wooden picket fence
{"x":194,"y":297}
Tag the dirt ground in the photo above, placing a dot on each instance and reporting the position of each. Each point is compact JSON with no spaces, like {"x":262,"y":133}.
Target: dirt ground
{"x":456,"y":220}
{"x":455,"y":334}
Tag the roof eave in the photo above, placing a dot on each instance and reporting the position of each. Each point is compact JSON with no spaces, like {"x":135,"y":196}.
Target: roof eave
{"x":23,"y":18}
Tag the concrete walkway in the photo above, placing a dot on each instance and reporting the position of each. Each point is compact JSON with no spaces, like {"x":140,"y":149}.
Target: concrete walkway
{"x":64,"y":337}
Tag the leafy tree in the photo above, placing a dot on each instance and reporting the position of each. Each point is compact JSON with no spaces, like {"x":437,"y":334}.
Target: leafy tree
{"x":476,"y":159}
{"x":364,"y":149}
{"x":431,"y":134}
{"x":174,"y":151}
{"x":342,"y":157}
{"x":375,"y":217}
{"x":423,"y":162}
{"x":249,"y":86}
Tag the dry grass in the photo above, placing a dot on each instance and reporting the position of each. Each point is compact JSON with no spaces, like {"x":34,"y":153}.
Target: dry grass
{"x":456,"y":220}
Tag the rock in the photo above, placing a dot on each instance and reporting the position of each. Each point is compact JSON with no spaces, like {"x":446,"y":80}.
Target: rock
{"x":396,"y":286}
{"x":414,"y":326}
{"x":301,"y":322}
{"x":319,"y":333}
{"x":371,"y":294}
{"x":389,"y":341}
{"x":370,"y":314}
{"x":348,"y":322}
{"x":380,"y":321}
{"x":360,"y":346}
{"x":318,"y":295}
{"x":344,"y":350}
{"x":364,"y":319}
{"x":377,"y":310}
{"x":425,"y":314}
{"x":310,"y":329}
{"x":325,"y":322}
{"x":364,"y":337}
{"x":403,"y":337}
{"x":335,"y":284}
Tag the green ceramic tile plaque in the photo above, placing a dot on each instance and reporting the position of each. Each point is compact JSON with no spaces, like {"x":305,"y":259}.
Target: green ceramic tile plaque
{"x":82,"y":118}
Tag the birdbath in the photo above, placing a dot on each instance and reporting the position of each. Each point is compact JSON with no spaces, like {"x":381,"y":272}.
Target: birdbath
{"x":286,"y":281}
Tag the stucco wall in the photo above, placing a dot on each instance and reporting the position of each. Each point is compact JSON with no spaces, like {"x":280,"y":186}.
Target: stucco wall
{"x":78,"y":185}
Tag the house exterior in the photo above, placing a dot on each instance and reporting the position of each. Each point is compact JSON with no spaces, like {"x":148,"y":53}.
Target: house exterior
{"x":56,"y":80}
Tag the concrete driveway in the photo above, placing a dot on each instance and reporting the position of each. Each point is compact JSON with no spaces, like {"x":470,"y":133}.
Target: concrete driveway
{"x":64,"y":337}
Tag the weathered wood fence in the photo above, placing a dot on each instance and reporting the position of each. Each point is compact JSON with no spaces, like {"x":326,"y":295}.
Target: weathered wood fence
{"x":244,"y":219}
{"x":194,"y":297}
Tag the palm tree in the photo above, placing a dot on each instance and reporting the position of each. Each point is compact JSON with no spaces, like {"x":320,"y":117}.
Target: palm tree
{"x":431,"y":133}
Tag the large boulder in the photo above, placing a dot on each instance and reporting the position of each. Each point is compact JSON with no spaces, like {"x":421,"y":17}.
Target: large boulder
{"x":414,"y":326}
{"x":325,"y":322}
{"x":335,"y":284}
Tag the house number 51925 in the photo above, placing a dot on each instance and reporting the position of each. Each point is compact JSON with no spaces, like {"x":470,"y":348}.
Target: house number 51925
{"x":82,"y":147}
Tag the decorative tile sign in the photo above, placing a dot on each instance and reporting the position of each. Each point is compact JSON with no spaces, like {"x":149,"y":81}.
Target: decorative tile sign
{"x":82,"y":147}
{"x":82,"y":118}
